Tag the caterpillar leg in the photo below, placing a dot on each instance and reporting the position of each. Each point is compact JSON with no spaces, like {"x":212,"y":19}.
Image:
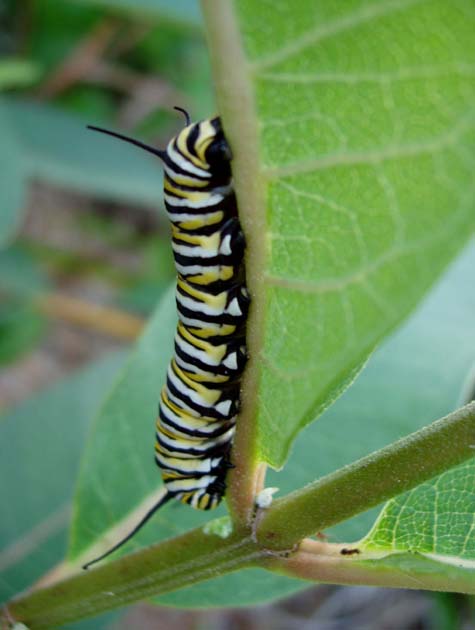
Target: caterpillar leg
{"x":232,"y":242}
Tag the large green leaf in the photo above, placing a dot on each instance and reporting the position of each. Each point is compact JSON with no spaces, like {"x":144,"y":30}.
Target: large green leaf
{"x":42,"y":141}
{"x":415,"y":377}
{"x":41,"y":443}
{"x":359,"y":188}
{"x":435,"y":519}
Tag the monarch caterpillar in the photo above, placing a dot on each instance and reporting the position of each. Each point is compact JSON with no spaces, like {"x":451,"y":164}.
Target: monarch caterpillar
{"x":200,"y":399}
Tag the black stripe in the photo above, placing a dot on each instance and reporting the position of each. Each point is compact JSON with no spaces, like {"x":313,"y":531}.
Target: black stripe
{"x":183,"y":475}
{"x":204,"y":318}
{"x":224,"y":426}
{"x":170,"y":162}
{"x":192,"y":138}
{"x":175,"y":451}
{"x":207,"y":412}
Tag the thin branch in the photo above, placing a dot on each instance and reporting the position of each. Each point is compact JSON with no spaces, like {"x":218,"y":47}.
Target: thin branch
{"x":370,"y":480}
{"x":168,"y":566}
{"x":104,"y":319}
{"x":197,"y":556}
{"x":321,"y":562}
{"x":81,"y":59}
{"x":236,"y":106}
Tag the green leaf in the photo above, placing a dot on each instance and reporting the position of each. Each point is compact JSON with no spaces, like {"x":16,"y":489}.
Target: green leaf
{"x":415,"y":377}
{"x":119,"y":478}
{"x":359,"y":188}
{"x":435,"y":519}
{"x":118,"y":470}
{"x":42,"y":141}
{"x":418,"y":375}
{"x":41,"y":443}
{"x":186,"y":12}
{"x":17,"y":73}
{"x":58,"y":147}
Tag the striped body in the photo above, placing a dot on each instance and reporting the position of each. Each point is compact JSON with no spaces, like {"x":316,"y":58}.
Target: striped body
{"x":200,"y":400}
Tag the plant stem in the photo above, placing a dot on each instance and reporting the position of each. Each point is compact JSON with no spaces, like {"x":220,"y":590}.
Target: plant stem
{"x":322,"y":562}
{"x":104,"y":319}
{"x":370,"y":480}
{"x":173,"y":564}
{"x":236,"y":106}
{"x":197,"y":556}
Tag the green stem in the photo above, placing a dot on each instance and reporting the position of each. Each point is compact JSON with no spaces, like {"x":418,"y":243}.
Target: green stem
{"x":197,"y":556}
{"x":237,"y":109}
{"x":173,"y":564}
{"x":323,"y":563}
{"x":369,"y":481}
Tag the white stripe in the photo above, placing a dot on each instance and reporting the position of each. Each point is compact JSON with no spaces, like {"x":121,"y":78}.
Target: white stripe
{"x":200,"y":307}
{"x":178,"y":202}
{"x":199,"y":324}
{"x":233,"y":308}
{"x":194,"y":250}
{"x":185,"y":465}
{"x":200,"y":355}
{"x":182,"y":484}
{"x":225,"y":247}
{"x":198,"y":444}
{"x":198,"y":270}
{"x":184,"y":163}
{"x":196,"y":498}
{"x":231,"y":361}
{"x":224,"y":407}
{"x":207,"y":219}
{"x":187,"y":180}
{"x":199,"y":424}
{"x":189,"y":392}
{"x":181,"y":404}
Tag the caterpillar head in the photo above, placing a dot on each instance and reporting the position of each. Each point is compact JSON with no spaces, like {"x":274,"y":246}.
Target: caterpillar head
{"x":203,"y":144}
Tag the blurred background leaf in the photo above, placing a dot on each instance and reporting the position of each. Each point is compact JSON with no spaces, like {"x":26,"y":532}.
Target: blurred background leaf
{"x":46,"y":435}
{"x":17,"y":73}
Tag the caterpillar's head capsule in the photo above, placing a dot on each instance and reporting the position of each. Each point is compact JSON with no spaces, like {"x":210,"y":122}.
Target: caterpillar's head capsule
{"x":202,"y":146}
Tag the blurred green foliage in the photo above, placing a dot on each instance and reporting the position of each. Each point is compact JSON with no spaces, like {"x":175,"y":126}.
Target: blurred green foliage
{"x":49,"y":97}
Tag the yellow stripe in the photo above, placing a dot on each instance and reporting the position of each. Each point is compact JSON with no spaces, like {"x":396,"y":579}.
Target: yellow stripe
{"x":223,"y":331}
{"x":213,"y":301}
{"x":211,"y":396}
{"x":186,"y":498}
{"x":224,"y":273}
{"x":192,"y":196}
{"x":201,"y":220}
{"x":216,"y":352}
{"x":205,"y":138}
{"x":206,"y":377}
{"x":210,"y":243}
{"x":182,"y":146}
{"x":192,"y":421}
{"x":187,"y":180}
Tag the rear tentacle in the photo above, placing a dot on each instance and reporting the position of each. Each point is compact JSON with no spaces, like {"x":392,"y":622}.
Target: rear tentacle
{"x":163,"y":499}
